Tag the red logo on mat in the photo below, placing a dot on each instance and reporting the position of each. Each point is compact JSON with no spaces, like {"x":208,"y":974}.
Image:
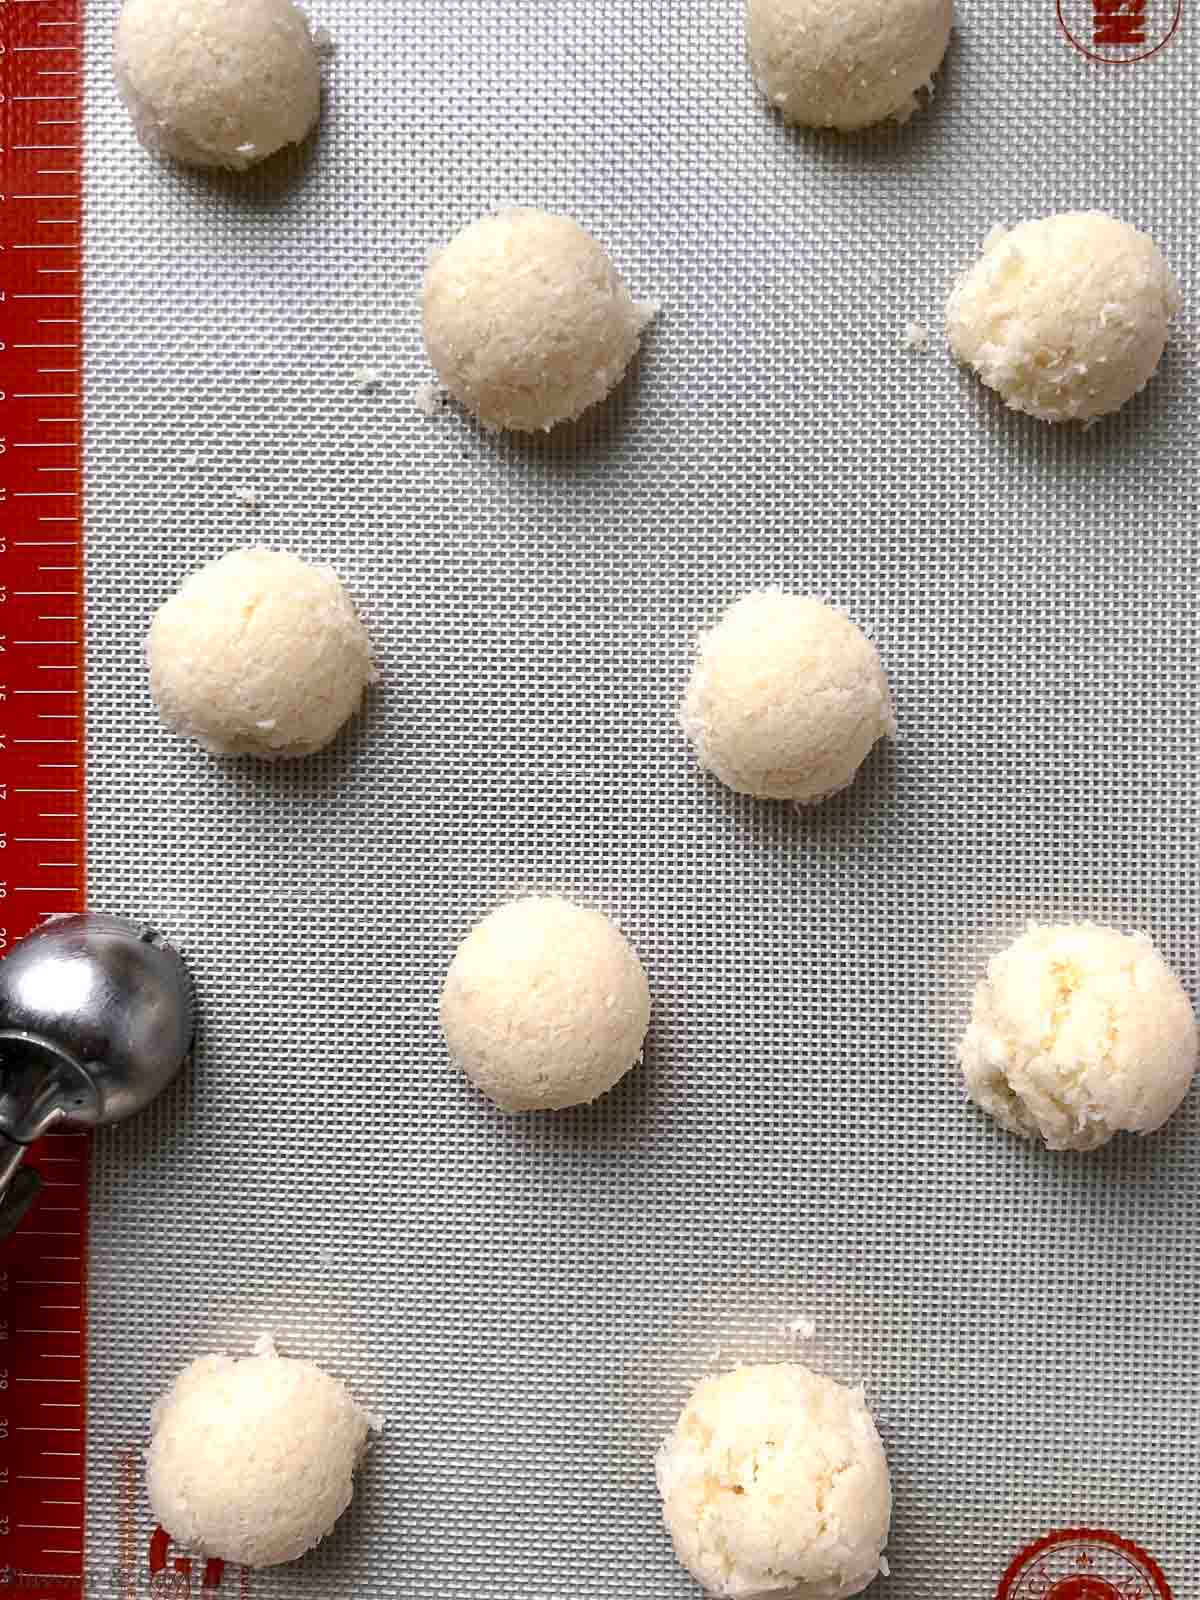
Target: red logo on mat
{"x":1118,"y":32}
{"x":1083,"y":1564}
{"x":172,"y":1580}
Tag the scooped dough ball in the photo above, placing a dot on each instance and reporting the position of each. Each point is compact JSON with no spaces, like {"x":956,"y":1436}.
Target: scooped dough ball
{"x":545,"y":1005}
{"x":253,"y":1461}
{"x":1066,"y":316}
{"x":846,"y":63}
{"x":1079,"y":1033}
{"x":527,"y":321}
{"x":259,"y":654}
{"x":217,"y":83}
{"x":774,"y":1482}
{"x":786,"y":698}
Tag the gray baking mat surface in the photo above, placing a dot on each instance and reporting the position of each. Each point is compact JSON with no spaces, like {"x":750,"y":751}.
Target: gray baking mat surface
{"x":528,"y":1300}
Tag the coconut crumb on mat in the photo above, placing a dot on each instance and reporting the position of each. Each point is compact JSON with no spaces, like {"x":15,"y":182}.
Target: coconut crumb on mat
{"x":427,"y":399}
{"x":916,"y":337}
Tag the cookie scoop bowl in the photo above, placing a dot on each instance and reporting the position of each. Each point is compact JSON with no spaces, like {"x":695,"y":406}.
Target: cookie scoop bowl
{"x":96,"y":1019}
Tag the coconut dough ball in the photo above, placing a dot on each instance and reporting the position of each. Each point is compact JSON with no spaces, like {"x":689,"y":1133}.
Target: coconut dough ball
{"x":1078,"y":1033}
{"x":259,"y":654}
{"x":1066,"y":316}
{"x":253,"y":1461}
{"x":846,"y":63}
{"x":786,"y":698}
{"x":527,"y":321}
{"x":774,"y":1482}
{"x":217,"y":83}
{"x":545,"y":1005}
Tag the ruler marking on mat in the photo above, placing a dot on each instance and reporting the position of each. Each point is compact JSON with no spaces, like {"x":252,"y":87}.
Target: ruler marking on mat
{"x":42,"y":1417}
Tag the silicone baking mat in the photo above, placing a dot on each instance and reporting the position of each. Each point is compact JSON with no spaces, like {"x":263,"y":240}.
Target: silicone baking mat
{"x":528,"y":1300}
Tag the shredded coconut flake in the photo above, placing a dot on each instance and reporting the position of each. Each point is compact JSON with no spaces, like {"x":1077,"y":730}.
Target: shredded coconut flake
{"x":367,"y":378}
{"x":246,"y":496}
{"x":916,"y":337}
{"x":802,"y":1328}
{"x":885,"y":1570}
{"x":426,"y":398}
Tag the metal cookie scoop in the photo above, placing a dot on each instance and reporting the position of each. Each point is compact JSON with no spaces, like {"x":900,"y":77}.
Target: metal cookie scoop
{"x":96,"y":1018}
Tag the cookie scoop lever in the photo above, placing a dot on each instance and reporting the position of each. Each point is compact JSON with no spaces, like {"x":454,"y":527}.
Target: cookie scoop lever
{"x":96,"y":1018}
